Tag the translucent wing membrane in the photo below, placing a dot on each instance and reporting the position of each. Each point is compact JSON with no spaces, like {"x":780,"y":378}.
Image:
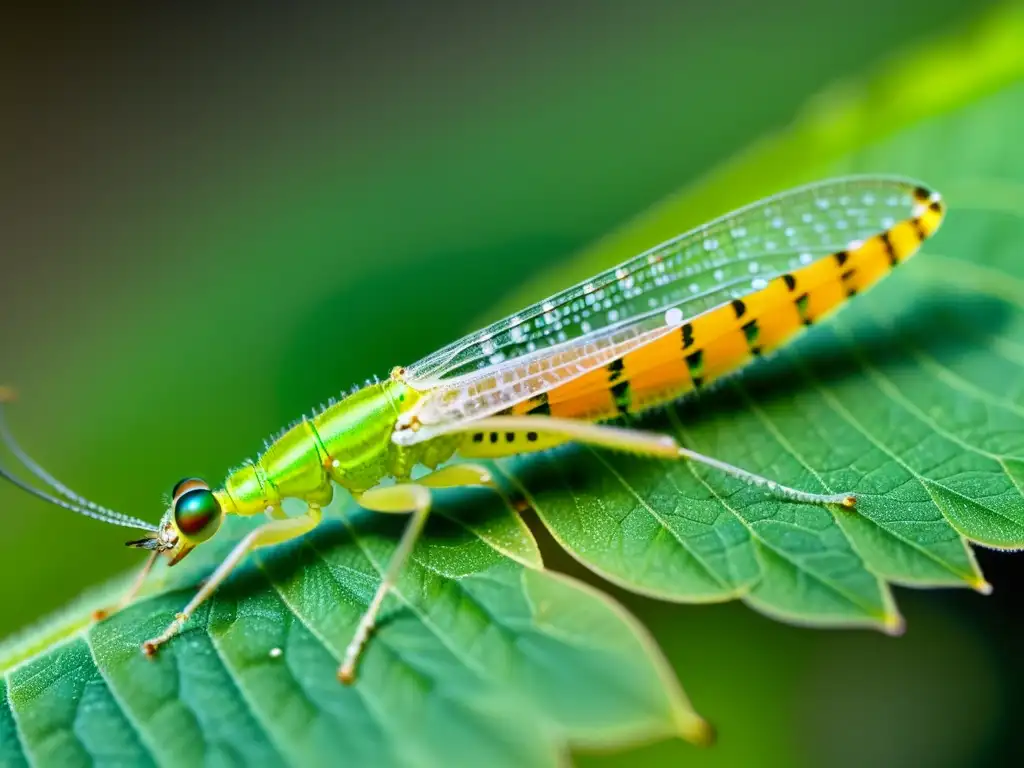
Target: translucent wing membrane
{"x":623,"y":308}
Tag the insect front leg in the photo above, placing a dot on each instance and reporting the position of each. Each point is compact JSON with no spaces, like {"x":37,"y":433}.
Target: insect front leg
{"x":407,"y":498}
{"x":274,"y":532}
{"x":508,"y":435}
{"x":130,"y":593}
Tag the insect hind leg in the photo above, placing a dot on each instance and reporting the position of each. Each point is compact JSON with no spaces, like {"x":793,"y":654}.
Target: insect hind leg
{"x":547,"y":431}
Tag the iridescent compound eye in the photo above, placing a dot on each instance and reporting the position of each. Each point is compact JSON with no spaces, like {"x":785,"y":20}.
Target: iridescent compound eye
{"x":188,"y":484}
{"x":197,"y":514}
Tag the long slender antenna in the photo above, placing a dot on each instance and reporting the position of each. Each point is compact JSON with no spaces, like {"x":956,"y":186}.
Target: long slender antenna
{"x":41,"y":474}
{"x":71,"y":501}
{"x":127,"y":521}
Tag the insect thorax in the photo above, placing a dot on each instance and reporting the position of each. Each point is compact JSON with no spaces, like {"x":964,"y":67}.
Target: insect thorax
{"x":348,"y":443}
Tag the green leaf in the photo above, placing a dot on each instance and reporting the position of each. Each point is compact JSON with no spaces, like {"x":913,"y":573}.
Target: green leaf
{"x":913,"y":397}
{"x":477,"y":633}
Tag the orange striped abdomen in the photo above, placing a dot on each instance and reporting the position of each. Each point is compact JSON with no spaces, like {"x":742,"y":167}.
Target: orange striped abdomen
{"x":724,"y":339}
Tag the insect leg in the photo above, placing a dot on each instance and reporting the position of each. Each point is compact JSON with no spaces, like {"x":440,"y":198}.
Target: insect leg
{"x":130,"y":593}
{"x":275,"y":513}
{"x":459,"y":476}
{"x":394,"y":499}
{"x":273,"y":532}
{"x":519,"y":434}
{"x":406,"y":498}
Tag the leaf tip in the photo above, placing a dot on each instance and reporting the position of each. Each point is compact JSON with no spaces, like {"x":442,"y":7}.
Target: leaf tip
{"x":894,"y":625}
{"x":978,"y":584}
{"x":697,"y":730}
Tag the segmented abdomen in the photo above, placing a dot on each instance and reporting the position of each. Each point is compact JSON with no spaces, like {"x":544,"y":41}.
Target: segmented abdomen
{"x":724,"y":339}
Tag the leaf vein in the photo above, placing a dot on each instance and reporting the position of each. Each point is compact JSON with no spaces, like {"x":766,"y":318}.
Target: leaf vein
{"x":842,"y":592}
{"x":658,"y":517}
{"x":18,"y":732}
{"x":422,"y":617}
{"x":924,"y":482}
{"x":236,"y":682}
{"x":129,"y":717}
{"x":892,"y":392}
{"x":377,"y":715}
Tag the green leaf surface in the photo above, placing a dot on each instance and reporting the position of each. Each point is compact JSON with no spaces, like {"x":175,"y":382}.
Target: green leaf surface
{"x":913,"y":398}
{"x":476,"y":634}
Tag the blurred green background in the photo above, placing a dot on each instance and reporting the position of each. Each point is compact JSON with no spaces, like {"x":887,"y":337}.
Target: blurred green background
{"x":212,"y":221}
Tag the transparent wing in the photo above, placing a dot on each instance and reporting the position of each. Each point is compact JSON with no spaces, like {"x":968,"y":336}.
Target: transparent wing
{"x":594,"y":322}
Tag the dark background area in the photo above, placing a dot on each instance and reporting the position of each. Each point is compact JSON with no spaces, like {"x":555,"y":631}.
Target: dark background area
{"x":213,"y":219}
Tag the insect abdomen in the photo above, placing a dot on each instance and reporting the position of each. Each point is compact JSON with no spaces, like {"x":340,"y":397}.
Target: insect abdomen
{"x":490,"y":444}
{"x":724,"y":339}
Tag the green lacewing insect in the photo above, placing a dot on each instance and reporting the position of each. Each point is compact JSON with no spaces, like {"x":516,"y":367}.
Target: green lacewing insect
{"x":649,"y":331}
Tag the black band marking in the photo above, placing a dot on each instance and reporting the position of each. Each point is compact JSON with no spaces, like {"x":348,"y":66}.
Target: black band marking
{"x":539,"y":405}
{"x":884,"y":237}
{"x":615,"y":368}
{"x":751,"y":332}
{"x":687,"y":335}
{"x":851,"y":291}
{"x":695,"y":364}
{"x":620,"y":392}
{"x":802,"y":302}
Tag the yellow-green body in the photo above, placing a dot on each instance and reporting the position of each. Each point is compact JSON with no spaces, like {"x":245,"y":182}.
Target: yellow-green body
{"x":451,"y":401}
{"x":348,"y":443}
